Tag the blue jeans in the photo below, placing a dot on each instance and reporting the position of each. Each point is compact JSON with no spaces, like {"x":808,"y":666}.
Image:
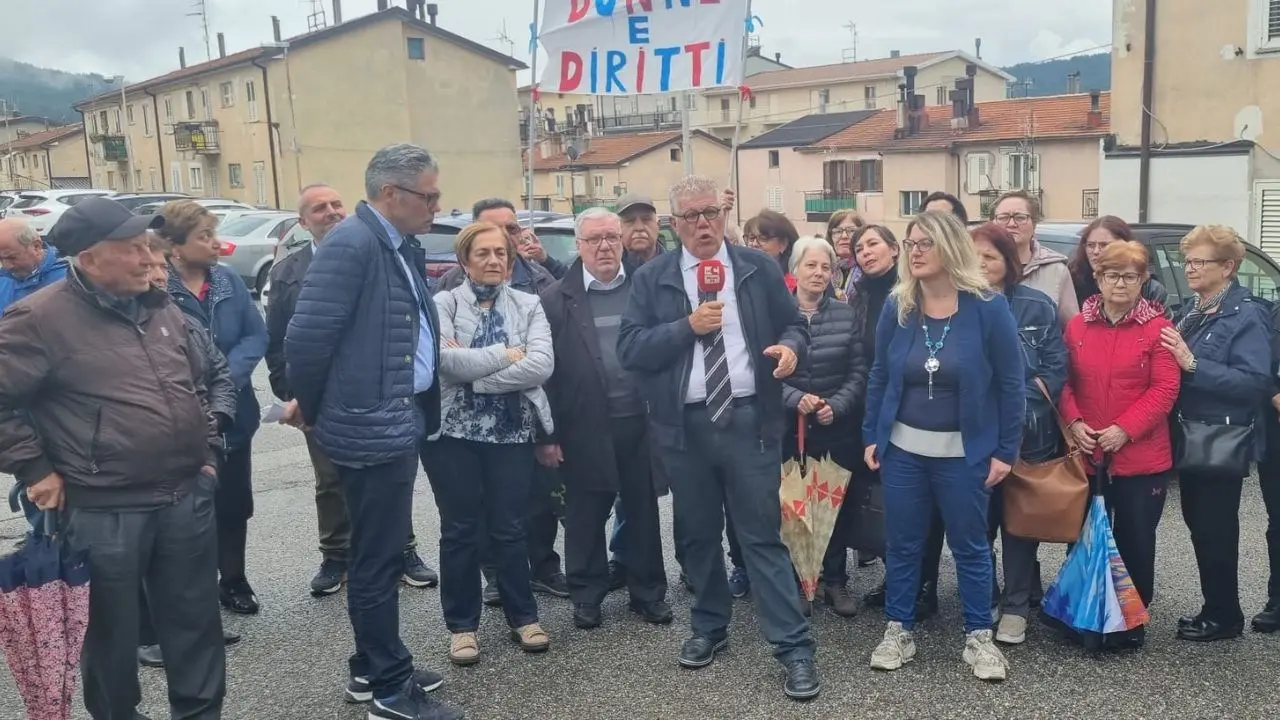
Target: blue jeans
{"x":482,"y":488}
{"x":912,"y":485}
{"x":733,"y":467}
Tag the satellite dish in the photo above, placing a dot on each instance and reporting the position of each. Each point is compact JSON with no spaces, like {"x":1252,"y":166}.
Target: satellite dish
{"x":572,"y":152}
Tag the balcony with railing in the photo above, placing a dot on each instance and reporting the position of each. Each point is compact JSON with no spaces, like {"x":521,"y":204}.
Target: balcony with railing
{"x":198,"y":137}
{"x":1089,"y":204}
{"x":820,"y":204}
{"x":639,"y":122}
{"x":987,"y":200}
{"x":114,"y":148}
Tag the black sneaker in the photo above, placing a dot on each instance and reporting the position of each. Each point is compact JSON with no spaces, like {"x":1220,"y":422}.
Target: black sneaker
{"x":416,"y":572}
{"x":414,"y":705}
{"x":739,"y":583}
{"x":555,"y":584}
{"x":329,"y":578}
{"x":358,"y":687}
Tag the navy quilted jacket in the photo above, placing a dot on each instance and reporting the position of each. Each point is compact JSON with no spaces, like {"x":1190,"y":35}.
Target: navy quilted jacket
{"x":350,"y":345}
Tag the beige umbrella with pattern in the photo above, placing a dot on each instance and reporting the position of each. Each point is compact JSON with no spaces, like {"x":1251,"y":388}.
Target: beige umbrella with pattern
{"x":811,"y":494}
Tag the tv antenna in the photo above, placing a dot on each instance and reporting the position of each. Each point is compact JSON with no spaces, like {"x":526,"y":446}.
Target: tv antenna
{"x":202,"y":12}
{"x":505,"y":39}
{"x":317,"y":19}
{"x":850,"y":54}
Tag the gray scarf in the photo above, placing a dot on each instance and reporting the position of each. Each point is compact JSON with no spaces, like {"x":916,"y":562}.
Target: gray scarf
{"x":1199,"y":309}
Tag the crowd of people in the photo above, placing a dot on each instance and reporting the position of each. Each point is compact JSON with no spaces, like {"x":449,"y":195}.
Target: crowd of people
{"x":927,"y":366}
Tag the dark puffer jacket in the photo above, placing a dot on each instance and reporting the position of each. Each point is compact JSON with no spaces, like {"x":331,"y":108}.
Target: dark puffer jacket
{"x":836,"y":371}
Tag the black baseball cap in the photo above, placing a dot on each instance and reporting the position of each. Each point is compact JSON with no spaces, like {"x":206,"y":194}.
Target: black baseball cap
{"x":93,"y":220}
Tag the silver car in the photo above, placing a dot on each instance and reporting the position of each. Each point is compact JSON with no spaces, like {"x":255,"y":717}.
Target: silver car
{"x":249,"y":243}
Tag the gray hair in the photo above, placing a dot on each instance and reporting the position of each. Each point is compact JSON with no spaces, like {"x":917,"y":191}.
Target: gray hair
{"x":26,"y":235}
{"x":595,"y":213}
{"x":807,"y":243}
{"x":303,"y":193}
{"x":401,"y":164}
{"x":692,"y":185}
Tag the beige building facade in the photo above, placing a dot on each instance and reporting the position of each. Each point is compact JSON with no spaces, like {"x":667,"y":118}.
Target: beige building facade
{"x":49,"y":159}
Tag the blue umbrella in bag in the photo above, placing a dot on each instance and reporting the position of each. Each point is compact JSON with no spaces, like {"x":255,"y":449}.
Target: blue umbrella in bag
{"x":44,"y":610}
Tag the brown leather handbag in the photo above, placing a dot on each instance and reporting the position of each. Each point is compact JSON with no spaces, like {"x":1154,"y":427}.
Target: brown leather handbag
{"x":1046,"y":501}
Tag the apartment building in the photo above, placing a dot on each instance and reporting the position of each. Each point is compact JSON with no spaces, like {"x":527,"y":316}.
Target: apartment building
{"x":260,"y":124}
{"x":1213,"y":120}
{"x":48,"y":159}
{"x":13,"y":126}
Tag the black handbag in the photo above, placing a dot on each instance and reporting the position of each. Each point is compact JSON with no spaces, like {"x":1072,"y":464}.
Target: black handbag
{"x":868,"y":524}
{"x":1212,"y":448}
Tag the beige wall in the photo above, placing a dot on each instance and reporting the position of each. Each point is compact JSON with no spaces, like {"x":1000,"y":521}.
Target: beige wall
{"x":1066,"y":169}
{"x":783,"y":188}
{"x":32,"y":167}
{"x":1195,"y":61}
{"x":915,"y":172}
{"x":67,"y":156}
{"x":651,"y":174}
{"x":11,"y":129}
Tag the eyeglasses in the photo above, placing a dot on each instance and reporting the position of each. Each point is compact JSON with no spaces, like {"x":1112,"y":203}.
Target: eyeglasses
{"x":1115,"y":278}
{"x":1096,"y":246}
{"x":923,"y":246}
{"x":708,"y":214}
{"x":844,"y":231}
{"x":1199,"y":263}
{"x":430,"y":199}
{"x":595,"y":240}
{"x":1019,"y":218}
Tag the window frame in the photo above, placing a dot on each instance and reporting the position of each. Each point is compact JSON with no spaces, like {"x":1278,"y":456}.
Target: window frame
{"x":904,"y":196}
{"x":420,"y":43}
{"x":235,"y":175}
{"x":1260,"y":41}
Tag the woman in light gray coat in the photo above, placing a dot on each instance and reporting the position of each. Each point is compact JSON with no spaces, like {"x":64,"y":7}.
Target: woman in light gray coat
{"x":495,"y":355}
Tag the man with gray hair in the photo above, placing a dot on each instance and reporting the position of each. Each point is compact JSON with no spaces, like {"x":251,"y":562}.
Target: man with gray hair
{"x":711,"y":379}
{"x":361,"y":355}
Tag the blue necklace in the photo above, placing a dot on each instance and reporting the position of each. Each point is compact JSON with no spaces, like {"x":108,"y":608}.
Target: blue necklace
{"x":932,"y":365}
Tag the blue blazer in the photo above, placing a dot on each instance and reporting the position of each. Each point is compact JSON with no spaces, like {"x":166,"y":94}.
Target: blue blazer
{"x":992,"y":377}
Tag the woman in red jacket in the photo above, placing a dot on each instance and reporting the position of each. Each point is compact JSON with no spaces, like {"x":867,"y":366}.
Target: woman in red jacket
{"x":1121,"y":386}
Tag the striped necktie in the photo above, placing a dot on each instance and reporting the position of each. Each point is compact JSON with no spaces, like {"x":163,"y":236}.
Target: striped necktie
{"x":719,"y":391}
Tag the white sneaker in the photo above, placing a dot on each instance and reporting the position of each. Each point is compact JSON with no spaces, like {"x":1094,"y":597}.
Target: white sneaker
{"x":896,"y":649}
{"x":984,"y":657}
{"x":1012,"y":630}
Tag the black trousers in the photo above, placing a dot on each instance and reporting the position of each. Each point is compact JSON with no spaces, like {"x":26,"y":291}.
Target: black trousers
{"x":170,"y":551}
{"x":541,"y":525}
{"x":1211,"y":509}
{"x":234,"y":503}
{"x":587,"y":512}
{"x":1136,"y":504}
{"x":1269,"y":479}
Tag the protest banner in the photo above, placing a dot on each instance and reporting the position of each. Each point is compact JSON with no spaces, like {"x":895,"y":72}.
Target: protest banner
{"x":638,"y":47}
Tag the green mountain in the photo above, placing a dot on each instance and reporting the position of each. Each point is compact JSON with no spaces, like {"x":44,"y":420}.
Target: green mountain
{"x":1050,"y":77}
{"x":48,"y":93}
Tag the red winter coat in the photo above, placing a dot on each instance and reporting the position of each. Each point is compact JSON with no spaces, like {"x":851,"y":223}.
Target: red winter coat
{"x":1122,"y":375}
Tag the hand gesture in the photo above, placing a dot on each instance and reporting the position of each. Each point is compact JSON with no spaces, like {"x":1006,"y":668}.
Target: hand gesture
{"x":998,"y":472}
{"x":706,"y":319}
{"x":549,"y":456}
{"x":290,"y":415}
{"x":809,"y":403}
{"x":786,"y":358}
{"x":1112,"y":439}
{"x":1084,"y":436}
{"x":1172,"y":341}
{"x":869,"y":457}
{"x":515,"y":354}
{"x":47,"y":494}
{"x":825,"y":414}
{"x":727,"y":199}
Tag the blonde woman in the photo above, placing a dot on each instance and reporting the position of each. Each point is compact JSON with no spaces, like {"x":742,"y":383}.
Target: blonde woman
{"x":945,"y":404}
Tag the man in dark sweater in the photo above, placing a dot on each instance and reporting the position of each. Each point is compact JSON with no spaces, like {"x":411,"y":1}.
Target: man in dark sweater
{"x":601,"y":442}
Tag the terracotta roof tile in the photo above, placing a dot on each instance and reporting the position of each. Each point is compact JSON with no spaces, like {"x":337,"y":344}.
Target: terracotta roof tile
{"x":836,"y":72}
{"x":35,"y":140}
{"x":610,"y":150}
{"x":1058,"y":116}
{"x":231,"y":60}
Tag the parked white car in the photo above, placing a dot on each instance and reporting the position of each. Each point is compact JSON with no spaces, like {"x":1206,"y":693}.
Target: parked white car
{"x":43,"y":208}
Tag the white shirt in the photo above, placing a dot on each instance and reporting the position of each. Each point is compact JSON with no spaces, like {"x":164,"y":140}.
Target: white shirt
{"x":591,"y":282}
{"x":742,"y":379}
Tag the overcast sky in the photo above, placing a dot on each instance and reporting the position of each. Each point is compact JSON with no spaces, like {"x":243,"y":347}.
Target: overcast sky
{"x":140,"y":38}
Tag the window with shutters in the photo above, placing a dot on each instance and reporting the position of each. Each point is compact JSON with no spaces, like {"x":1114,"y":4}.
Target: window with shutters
{"x":775,"y":158}
{"x":1267,"y":217}
{"x":559,"y":185}
{"x":260,"y":183}
{"x":909,"y":202}
{"x":840,"y":178}
{"x":978,"y":173}
{"x":1021,"y":171}
{"x":869,"y":97}
{"x":773,"y":198}
{"x":1265,"y":26}
{"x":870,"y":176}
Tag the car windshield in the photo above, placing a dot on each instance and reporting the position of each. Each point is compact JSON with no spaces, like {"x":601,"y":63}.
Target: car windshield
{"x":27,"y":201}
{"x":439,"y":241}
{"x":559,"y":243}
{"x":241,"y":226}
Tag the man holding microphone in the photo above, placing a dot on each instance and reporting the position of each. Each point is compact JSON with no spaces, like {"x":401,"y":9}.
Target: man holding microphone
{"x":710,"y":377}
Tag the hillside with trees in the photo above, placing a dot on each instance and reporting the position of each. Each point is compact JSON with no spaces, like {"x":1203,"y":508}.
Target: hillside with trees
{"x":1050,"y":77}
{"x":48,"y":93}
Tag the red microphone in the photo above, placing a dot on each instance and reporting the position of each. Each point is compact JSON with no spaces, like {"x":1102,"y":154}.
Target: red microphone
{"x":710,"y":279}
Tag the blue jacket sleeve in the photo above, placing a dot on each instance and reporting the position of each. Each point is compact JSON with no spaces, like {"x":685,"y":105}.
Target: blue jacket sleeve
{"x":886,"y":326}
{"x":1053,"y":358}
{"x":328,"y":299}
{"x":248,"y":352}
{"x":555,"y":267}
{"x":647,"y":344}
{"x":1246,"y":375}
{"x":1005,"y":356}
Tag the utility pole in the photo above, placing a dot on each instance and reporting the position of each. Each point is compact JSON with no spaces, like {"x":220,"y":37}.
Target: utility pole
{"x":534,"y":118}
{"x":128,"y":144}
{"x":686,"y":132}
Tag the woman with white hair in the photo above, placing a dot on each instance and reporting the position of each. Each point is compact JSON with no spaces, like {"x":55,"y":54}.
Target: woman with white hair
{"x":945,"y":405}
{"x":826,"y":394}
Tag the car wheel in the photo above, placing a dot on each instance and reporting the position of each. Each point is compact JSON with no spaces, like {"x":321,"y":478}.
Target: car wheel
{"x":263,"y":276}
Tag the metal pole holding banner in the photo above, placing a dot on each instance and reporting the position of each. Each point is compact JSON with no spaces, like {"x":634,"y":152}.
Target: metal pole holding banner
{"x":737,"y":129}
{"x":533,"y":112}
{"x":686,"y":132}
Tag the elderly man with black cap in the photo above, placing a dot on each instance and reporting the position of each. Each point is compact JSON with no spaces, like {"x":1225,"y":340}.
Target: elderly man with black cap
{"x":100,"y":419}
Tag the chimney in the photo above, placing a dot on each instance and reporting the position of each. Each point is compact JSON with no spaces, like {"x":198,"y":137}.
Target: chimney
{"x":1073,"y":82}
{"x":977,"y":47}
{"x":901,"y":130}
{"x":382,"y":5}
{"x":971,"y":71}
{"x":182,"y":57}
{"x":275,"y":29}
{"x":337,"y":11}
{"x":909,"y":75}
{"x":433,"y":10}
{"x":777,"y":57}
{"x":895,"y":53}
{"x":222,"y":45}
{"x":1094,"y":119}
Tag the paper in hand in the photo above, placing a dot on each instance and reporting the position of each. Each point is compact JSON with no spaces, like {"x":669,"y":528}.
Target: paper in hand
{"x":273,"y":413}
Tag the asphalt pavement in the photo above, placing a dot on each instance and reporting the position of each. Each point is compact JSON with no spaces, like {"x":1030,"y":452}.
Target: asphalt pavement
{"x":292,"y":662}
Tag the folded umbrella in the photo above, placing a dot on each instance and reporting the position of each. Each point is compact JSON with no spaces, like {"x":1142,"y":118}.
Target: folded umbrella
{"x":811,"y":494}
{"x":44,"y":610}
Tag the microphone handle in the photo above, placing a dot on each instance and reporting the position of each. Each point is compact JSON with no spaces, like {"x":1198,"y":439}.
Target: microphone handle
{"x":705,"y":297}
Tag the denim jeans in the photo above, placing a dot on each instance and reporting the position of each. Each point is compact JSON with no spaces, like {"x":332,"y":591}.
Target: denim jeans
{"x":482,"y":488}
{"x":912,"y":484}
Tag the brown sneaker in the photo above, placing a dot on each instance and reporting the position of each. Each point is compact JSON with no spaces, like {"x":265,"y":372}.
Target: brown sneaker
{"x":839,"y":599}
{"x":464,"y":649}
{"x":532,"y":638}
